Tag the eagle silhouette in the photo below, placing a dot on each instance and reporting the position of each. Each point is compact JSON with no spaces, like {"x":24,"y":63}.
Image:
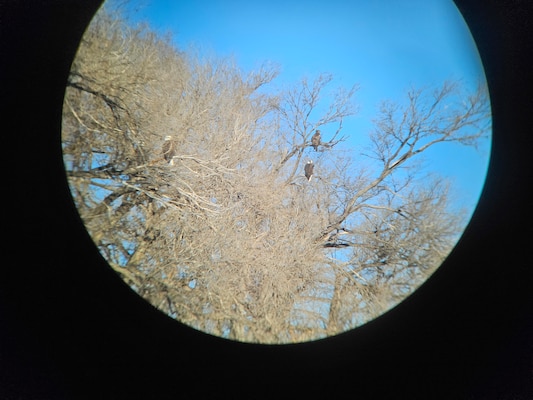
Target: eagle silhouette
{"x":315,"y":140}
{"x":169,"y":149}
{"x":308,"y":169}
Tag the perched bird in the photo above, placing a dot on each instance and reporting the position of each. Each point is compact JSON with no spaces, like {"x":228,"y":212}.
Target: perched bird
{"x":315,"y":140}
{"x":308,"y":169}
{"x":169,"y":149}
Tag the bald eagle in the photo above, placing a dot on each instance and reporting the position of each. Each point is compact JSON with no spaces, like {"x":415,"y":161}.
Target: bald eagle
{"x":315,"y":140}
{"x":308,"y":169}
{"x":169,"y":149}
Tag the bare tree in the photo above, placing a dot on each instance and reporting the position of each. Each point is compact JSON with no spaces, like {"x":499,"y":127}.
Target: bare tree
{"x":227,"y":235}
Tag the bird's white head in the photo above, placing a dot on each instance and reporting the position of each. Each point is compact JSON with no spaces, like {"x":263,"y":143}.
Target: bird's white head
{"x":168,"y":137}
{"x":309,"y":161}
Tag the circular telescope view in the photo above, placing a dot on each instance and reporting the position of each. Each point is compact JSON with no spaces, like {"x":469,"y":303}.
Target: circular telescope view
{"x":276,"y":172}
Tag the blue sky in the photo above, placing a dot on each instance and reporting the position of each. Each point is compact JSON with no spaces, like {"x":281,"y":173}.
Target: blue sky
{"x":385,"y":46}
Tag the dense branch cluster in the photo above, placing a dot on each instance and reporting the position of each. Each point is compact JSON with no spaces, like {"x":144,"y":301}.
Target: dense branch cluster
{"x":229,"y":237}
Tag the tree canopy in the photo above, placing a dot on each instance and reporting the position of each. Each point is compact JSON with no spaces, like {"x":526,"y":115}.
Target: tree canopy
{"x":230,"y":237}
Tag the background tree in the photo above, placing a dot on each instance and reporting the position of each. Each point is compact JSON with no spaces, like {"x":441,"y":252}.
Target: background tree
{"x":230,"y":237}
